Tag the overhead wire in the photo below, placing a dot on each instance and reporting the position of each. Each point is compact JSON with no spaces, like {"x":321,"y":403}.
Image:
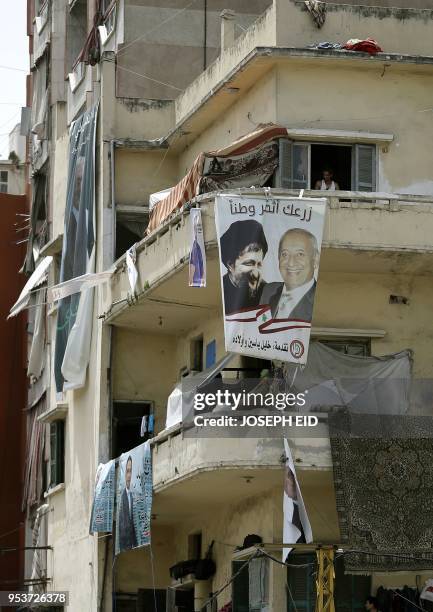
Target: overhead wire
{"x":154,"y":29}
{"x":145,"y":76}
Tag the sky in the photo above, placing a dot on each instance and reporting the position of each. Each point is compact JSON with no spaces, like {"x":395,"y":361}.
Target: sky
{"x":14,"y":53}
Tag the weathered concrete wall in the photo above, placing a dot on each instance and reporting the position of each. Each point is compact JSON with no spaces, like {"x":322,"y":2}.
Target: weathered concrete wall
{"x":171,"y":42}
{"x":140,"y":173}
{"x":396,"y":30}
{"x":389,"y":99}
{"x":144,"y":370}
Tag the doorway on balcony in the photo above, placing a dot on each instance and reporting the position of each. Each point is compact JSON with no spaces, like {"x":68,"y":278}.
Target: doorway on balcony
{"x":128,"y":425}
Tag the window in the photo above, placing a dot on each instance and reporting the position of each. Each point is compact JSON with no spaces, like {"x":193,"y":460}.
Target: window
{"x":57,"y":453}
{"x":180,"y":600}
{"x":76,"y":32}
{"x":194,"y":546}
{"x":250,"y":589}
{"x":197,"y":354}
{"x":4,"y":181}
{"x":350,"y":592}
{"x":301,"y":165}
{"x":350,"y":346}
{"x":127,"y":422}
{"x":146,"y":600}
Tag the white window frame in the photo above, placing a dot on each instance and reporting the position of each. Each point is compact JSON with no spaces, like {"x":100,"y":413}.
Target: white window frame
{"x":4,"y":183}
{"x":343,"y":143}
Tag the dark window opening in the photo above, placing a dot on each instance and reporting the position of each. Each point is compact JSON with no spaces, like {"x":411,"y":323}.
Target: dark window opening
{"x":146,"y":600}
{"x":197,"y":354}
{"x":127,"y":425}
{"x":180,"y":600}
{"x":76,"y":32}
{"x":332,"y":157}
{"x":252,"y":367}
{"x":57,"y":453}
{"x":194,"y":546}
{"x":129,"y":230}
{"x":354,"y":347}
{"x":350,"y":592}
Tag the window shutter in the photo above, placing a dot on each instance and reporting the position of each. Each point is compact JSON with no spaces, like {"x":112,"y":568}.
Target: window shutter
{"x":170,"y":600}
{"x":284,"y":178}
{"x":258,"y":584}
{"x":240,"y":588}
{"x":365,"y":167}
{"x":300,"y":166}
{"x":301,"y":583}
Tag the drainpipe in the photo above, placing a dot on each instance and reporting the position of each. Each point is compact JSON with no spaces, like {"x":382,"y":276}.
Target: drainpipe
{"x":205,"y":36}
{"x":113,"y":199}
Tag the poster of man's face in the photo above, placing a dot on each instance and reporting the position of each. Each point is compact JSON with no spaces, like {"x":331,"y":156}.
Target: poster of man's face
{"x":269,"y":259}
{"x":134,"y":499}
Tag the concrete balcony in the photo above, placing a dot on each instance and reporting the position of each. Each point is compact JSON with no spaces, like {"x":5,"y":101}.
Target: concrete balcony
{"x":193,"y":474}
{"x":366,"y":235}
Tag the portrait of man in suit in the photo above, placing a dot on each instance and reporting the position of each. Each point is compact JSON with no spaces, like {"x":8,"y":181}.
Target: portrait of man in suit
{"x":127,"y":536}
{"x":298,"y":259}
{"x":290,"y":490}
{"x":243,"y":248}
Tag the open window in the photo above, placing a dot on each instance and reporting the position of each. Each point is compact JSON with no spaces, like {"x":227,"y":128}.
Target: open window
{"x":76,"y":34}
{"x":301,"y":165}
{"x":350,"y":346}
{"x":57,"y":453}
{"x":131,"y":419}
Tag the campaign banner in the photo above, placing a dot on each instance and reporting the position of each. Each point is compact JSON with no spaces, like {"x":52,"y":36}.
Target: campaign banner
{"x":101,"y":519}
{"x":197,"y":254}
{"x":296,"y":524}
{"x":134,"y":498}
{"x":74,"y":315}
{"x":269,"y":261}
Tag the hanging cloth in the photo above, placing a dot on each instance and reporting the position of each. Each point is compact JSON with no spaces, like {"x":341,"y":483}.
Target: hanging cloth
{"x":317,"y":11}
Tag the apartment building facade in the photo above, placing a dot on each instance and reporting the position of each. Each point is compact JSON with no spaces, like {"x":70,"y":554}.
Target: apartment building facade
{"x":173,"y":80}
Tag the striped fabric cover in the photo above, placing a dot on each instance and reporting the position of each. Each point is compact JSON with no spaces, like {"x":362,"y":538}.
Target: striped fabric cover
{"x":189,"y":186}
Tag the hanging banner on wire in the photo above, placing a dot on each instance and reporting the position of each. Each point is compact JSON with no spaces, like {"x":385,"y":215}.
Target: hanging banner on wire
{"x":74,"y":319}
{"x":134,"y":498}
{"x":269,"y":261}
{"x":197,"y":254}
{"x":75,"y":285}
{"x":296,"y":525}
{"x":101,"y":519}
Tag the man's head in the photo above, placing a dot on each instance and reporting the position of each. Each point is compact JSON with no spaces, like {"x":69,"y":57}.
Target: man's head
{"x":298,"y":257}
{"x":243,"y":247}
{"x":327,"y":175}
{"x":290,"y":484}
{"x":128,"y":472}
{"x":372,"y":604}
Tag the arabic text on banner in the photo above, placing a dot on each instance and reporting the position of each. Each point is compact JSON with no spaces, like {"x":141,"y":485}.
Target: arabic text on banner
{"x":269,"y":261}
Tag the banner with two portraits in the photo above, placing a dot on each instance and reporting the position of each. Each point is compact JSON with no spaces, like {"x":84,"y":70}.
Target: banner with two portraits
{"x":269,"y":259}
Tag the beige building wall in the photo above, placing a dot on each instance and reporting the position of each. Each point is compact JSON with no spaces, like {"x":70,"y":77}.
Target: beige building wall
{"x":171,"y":41}
{"x":16,"y":183}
